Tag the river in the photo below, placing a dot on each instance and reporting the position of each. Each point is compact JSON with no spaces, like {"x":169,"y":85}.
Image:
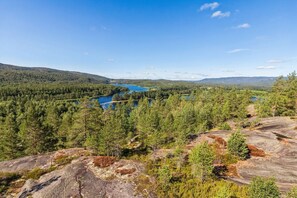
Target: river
{"x":105,"y":101}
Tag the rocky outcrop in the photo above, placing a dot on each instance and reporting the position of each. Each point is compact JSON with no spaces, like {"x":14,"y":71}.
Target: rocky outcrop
{"x":273,"y":150}
{"x":81,"y":177}
{"x":43,"y":161}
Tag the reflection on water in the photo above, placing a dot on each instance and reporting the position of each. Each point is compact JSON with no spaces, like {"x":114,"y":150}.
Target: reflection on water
{"x":106,"y":100}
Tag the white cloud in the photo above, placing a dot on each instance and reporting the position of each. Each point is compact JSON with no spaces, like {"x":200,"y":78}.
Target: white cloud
{"x":200,"y":74}
{"x":228,"y":71}
{"x":111,"y":60}
{"x":211,"y":6}
{"x":237,"y":50}
{"x":275,"y":61}
{"x":220,"y":14}
{"x":266,"y":67}
{"x":157,"y":74}
{"x":243,"y":26}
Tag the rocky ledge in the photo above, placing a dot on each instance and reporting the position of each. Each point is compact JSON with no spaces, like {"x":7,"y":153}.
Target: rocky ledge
{"x":273,"y":151}
{"x":81,"y":175}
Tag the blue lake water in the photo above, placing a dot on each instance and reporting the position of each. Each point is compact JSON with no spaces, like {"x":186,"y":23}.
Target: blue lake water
{"x":133,"y":88}
{"x":105,"y":100}
{"x":254,"y":98}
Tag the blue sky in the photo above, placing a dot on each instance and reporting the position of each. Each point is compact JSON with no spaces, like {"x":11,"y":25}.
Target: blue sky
{"x":171,"y":39}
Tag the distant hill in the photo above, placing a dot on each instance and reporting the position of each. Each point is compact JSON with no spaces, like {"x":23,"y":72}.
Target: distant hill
{"x":240,"y":81}
{"x":16,"y":74}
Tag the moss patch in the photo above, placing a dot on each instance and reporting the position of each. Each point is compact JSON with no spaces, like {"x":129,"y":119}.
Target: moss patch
{"x":36,"y":173}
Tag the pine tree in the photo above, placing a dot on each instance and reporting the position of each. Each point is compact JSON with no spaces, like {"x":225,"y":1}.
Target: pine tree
{"x":236,"y":145}
{"x":32,"y":134}
{"x":64,"y":130}
{"x":113,"y":135}
{"x":202,"y":158}
{"x":80,"y":128}
{"x":94,"y":126}
{"x":53,"y":117}
{"x":10,"y":147}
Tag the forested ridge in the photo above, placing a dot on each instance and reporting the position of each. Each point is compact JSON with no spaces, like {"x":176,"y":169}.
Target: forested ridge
{"x":252,"y":82}
{"x":16,"y":74}
{"x":56,"y":91}
{"x":37,"y":118}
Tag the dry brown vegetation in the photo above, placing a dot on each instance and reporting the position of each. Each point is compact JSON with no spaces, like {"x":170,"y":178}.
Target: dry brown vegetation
{"x":218,"y":140}
{"x":103,"y":161}
{"x":255,"y":152}
{"x":125,"y":171}
{"x":232,"y":171}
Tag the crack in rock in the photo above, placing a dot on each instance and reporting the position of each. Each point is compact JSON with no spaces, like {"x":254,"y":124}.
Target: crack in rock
{"x":38,"y":187}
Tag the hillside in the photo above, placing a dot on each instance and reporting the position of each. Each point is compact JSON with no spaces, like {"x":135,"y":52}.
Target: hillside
{"x":240,"y":81}
{"x":16,"y":74}
{"x":272,"y":147}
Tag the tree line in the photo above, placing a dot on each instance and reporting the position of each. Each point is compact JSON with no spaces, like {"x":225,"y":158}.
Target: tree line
{"x":37,"y":126}
{"x":55,"y":91}
{"x":281,"y":100}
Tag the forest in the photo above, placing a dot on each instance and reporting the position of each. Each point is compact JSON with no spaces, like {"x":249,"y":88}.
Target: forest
{"x":15,"y":74}
{"x":39,"y":118}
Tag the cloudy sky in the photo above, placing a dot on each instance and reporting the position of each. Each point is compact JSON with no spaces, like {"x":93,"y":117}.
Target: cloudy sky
{"x":171,"y":39}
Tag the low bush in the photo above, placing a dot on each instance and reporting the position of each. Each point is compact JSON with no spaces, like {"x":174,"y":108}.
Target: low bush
{"x":228,"y":159}
{"x":6,"y":179}
{"x":36,"y":173}
{"x":225,"y":126}
{"x":63,"y":160}
{"x":292,"y":193}
{"x":263,"y":187}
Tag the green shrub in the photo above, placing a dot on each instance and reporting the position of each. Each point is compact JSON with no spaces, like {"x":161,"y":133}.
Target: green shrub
{"x":236,"y":145}
{"x":6,"y":179}
{"x":63,"y":160}
{"x":228,"y":159}
{"x":164,"y":177}
{"x":225,"y":126}
{"x":192,"y":188}
{"x":224,"y":192}
{"x":263,"y":187}
{"x":201,"y":159}
{"x":36,"y":173}
{"x":255,"y":123}
{"x":292,"y":193}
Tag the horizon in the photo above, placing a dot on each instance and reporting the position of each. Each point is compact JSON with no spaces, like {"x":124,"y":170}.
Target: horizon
{"x":173,"y":40}
{"x":22,"y":66}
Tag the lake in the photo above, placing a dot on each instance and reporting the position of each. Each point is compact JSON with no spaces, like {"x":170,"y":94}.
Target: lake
{"x":106,"y":100}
